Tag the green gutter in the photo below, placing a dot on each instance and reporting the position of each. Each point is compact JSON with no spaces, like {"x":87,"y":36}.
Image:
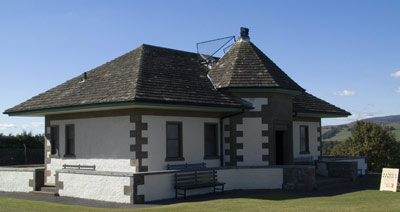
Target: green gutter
{"x":280,"y":90}
{"x":321,"y":115}
{"x":109,"y":105}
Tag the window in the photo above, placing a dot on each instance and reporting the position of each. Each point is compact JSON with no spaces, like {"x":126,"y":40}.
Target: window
{"x":54,"y":139}
{"x":210,"y":141}
{"x":70,"y":140}
{"x":304,"y":140}
{"x":174,"y":141}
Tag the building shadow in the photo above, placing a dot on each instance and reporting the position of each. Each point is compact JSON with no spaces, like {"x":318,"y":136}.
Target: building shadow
{"x":368,"y":182}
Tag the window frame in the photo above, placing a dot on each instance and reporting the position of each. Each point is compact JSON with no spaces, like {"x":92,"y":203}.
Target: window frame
{"x":180,"y":141}
{"x":306,"y":139}
{"x":67,"y":147}
{"x":216,"y":156}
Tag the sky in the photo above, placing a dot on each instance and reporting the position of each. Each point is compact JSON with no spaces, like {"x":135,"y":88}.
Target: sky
{"x":346,"y":52}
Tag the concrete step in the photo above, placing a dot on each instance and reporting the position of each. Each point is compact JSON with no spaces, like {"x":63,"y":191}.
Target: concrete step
{"x":44,"y":193}
{"x":48,"y":189}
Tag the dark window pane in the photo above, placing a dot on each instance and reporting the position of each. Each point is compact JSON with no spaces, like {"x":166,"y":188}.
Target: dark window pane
{"x":303,"y":139}
{"x":69,"y":140}
{"x":54,"y":139}
{"x":174,"y":140}
{"x":210,"y":139}
{"x":172,"y":131}
{"x":173,"y":148}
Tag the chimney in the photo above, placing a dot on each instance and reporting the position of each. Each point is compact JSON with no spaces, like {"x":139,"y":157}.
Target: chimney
{"x":84,"y":77}
{"x":244,"y":34}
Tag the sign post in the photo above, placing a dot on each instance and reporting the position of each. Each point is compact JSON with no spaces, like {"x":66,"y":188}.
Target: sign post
{"x":389,"y":179}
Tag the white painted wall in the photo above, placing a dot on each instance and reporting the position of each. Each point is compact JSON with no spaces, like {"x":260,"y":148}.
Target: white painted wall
{"x":117,"y":165}
{"x":104,"y":142}
{"x":252,"y":142}
{"x":313,"y":135}
{"x":161,"y":186}
{"x":192,"y":135}
{"x":96,"y":187}
{"x":257,"y":103}
{"x":106,"y":137}
{"x":14,"y":180}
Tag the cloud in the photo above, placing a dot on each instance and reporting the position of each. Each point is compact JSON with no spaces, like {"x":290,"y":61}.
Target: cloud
{"x":395,"y":74}
{"x":37,"y":124}
{"x":397,"y":90}
{"x":344,"y":93}
{"x":359,"y":116}
{"x":6,"y":126}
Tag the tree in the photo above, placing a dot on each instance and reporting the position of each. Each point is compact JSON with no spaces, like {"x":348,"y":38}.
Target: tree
{"x":374,"y":141}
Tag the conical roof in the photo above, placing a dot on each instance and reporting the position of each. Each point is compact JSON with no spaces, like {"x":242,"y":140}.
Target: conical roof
{"x":246,"y":66}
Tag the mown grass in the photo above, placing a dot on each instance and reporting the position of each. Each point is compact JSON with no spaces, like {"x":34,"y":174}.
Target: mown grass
{"x":347,"y":199}
{"x":367,"y":200}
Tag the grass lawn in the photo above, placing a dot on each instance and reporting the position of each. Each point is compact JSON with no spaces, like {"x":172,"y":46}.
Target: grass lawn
{"x":363,"y":200}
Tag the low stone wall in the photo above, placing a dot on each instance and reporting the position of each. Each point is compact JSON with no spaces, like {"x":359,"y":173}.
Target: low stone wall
{"x":112,"y":165}
{"x":299,"y":178}
{"x":15,"y":179}
{"x":160,"y":185}
{"x":144,"y":187}
{"x":362,"y":163}
{"x":95,"y":185}
{"x":337,"y":169}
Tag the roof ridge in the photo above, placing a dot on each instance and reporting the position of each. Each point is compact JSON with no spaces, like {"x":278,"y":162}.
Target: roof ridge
{"x":139,"y":69}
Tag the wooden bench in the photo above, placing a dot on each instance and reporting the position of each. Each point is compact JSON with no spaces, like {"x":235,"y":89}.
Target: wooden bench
{"x":186,"y":166}
{"x":189,"y":180}
{"x":83,"y":167}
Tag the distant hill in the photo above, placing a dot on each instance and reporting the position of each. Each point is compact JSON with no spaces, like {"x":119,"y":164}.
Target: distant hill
{"x":342,"y":132}
{"x":384,"y":120}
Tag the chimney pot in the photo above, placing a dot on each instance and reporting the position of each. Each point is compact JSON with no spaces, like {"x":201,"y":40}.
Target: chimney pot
{"x":244,"y":33}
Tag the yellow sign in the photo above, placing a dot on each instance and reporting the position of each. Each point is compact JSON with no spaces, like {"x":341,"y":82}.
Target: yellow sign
{"x":389,"y":179}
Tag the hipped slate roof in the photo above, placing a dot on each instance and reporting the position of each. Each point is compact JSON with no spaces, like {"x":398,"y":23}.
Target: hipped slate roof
{"x":245,"y":66}
{"x":307,"y":103}
{"x":146,"y":74}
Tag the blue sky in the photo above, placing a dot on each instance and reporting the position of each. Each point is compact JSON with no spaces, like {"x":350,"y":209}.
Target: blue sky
{"x":346,"y":52}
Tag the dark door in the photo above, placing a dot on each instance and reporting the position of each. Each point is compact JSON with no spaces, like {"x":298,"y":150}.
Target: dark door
{"x":279,"y":147}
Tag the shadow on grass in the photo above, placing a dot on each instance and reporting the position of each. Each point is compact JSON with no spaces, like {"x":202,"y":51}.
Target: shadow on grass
{"x":368,"y":182}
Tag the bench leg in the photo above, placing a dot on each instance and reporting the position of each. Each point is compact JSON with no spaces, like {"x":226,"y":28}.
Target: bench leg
{"x":176,"y":193}
{"x":184,"y":195}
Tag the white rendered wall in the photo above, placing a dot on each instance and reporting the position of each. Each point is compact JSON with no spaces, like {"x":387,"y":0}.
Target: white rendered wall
{"x":117,"y":165}
{"x":313,"y":136}
{"x":96,"y":187}
{"x":161,"y":186}
{"x":192,"y":135}
{"x":15,"y":181}
{"x":104,"y":142}
{"x":252,"y":142}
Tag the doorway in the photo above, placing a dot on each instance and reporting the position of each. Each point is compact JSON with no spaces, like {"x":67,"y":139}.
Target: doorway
{"x":279,"y":140}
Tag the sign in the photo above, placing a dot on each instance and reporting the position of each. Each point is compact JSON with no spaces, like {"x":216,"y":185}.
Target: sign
{"x":389,"y":179}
